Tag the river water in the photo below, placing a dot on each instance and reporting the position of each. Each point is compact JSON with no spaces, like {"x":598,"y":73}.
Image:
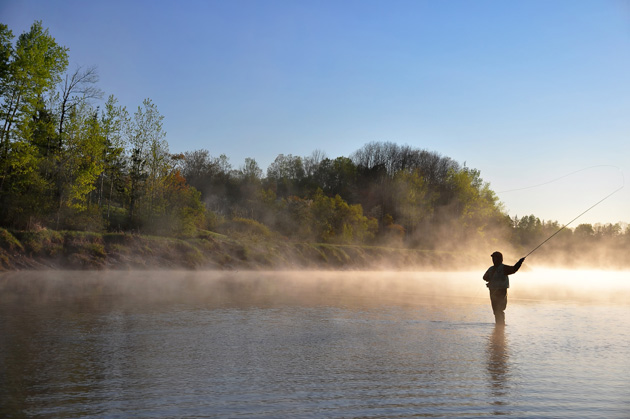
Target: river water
{"x":312,"y":344}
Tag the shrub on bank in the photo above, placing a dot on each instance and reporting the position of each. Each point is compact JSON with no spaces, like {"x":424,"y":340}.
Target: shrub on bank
{"x":9,"y":242}
{"x":245,"y":227}
{"x":42,"y":242}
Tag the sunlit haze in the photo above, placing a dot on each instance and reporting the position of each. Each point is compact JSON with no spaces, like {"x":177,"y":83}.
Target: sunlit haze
{"x":527,"y":92}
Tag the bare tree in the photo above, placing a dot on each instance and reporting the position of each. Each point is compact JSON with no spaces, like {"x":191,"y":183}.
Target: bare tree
{"x":312,"y":162}
{"x":78,"y":86}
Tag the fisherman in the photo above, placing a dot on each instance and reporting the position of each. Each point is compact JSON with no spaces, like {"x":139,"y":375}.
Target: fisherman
{"x":498,"y":282}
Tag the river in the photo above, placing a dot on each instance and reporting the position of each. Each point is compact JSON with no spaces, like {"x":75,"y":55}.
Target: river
{"x":312,"y":344}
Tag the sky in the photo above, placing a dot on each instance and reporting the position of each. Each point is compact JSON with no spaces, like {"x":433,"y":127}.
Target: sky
{"x":534,"y":94}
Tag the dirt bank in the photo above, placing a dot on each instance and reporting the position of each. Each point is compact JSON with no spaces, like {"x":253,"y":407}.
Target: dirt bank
{"x":47,"y":249}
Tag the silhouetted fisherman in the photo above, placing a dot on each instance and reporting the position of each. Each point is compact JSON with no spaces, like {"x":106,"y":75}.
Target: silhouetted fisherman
{"x":498,"y":282}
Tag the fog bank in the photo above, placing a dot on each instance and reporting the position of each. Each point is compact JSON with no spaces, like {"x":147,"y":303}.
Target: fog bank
{"x":308,"y":288}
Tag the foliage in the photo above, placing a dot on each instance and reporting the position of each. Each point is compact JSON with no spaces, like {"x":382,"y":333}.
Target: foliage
{"x":41,"y":241}
{"x":67,"y":163}
{"x":245,"y":227}
{"x":176,"y":208}
{"x":9,"y":242}
{"x":29,"y":69}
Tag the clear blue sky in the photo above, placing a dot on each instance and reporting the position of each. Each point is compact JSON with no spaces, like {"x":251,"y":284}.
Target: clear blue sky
{"x":524,"y":91}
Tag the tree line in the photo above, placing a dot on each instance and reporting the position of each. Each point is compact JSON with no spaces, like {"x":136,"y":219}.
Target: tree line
{"x":67,"y":163}
{"x":384,"y":193}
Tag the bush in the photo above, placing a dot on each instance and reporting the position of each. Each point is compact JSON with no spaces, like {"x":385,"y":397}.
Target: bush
{"x":42,"y":242}
{"x":9,"y":242}
{"x":245,"y":227}
{"x":191,"y":256}
{"x":89,"y":219}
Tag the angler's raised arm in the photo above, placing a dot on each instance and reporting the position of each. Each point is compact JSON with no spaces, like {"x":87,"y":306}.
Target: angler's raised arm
{"x":509,"y":270}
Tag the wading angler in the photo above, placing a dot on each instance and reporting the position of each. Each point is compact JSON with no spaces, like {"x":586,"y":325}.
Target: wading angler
{"x":498,"y":283}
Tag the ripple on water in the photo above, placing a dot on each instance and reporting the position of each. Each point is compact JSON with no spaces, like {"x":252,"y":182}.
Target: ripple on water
{"x":329,"y":345}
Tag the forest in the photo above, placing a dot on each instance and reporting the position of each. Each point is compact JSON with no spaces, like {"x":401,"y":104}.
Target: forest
{"x":74,"y":159}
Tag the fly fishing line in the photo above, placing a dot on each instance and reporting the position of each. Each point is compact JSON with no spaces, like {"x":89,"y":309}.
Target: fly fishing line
{"x":559,"y":178}
{"x":581,"y":214}
{"x":587,"y":210}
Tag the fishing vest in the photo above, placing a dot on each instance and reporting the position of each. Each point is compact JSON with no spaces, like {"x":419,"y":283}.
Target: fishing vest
{"x":497,"y":278}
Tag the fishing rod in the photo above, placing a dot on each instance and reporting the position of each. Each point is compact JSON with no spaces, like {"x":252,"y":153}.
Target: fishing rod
{"x":564,"y":226}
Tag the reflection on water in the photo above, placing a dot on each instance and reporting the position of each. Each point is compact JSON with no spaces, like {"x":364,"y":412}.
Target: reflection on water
{"x":498,"y":370}
{"x":208,"y":344}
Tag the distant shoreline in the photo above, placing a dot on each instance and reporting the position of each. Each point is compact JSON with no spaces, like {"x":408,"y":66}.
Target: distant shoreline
{"x":73,"y":250}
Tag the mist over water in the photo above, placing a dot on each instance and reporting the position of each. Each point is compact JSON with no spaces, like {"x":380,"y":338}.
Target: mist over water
{"x":312,"y":344}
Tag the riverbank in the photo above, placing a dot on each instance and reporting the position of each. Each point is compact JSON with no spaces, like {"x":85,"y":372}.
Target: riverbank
{"x":48,"y":249}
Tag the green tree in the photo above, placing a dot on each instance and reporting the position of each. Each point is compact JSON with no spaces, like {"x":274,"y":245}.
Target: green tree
{"x":33,"y":68}
{"x":22,"y":202}
{"x":114,"y":119}
{"x":529,"y":230}
{"x":608,"y":230}
{"x":295,"y":218}
{"x":337,"y":221}
{"x":337,"y":176}
{"x":81,"y":164}
{"x":413,"y":203}
{"x":584,"y":231}
{"x":178,"y":209}
{"x":148,"y":152}
{"x":472,"y":205}
{"x":285,"y":175}
{"x":28,"y":71}
{"x":198,"y":167}
{"x":218,"y":183}
{"x":249,"y":179}
{"x":251,"y":171}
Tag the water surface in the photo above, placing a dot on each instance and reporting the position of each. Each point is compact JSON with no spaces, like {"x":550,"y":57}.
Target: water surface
{"x":312,"y":344}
